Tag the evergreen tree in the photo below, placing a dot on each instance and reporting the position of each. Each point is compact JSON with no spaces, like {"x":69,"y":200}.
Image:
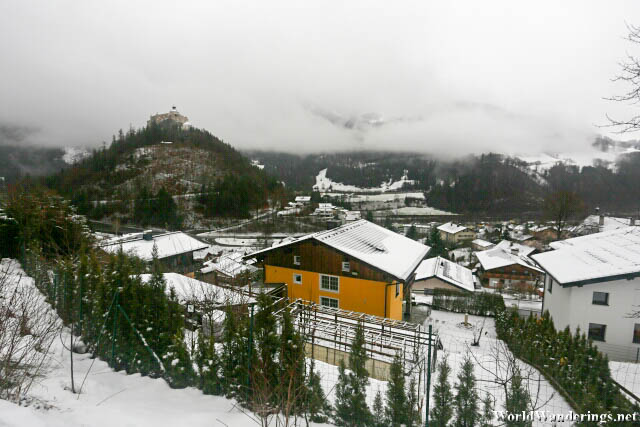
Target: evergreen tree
{"x":230,"y":358}
{"x":293,"y":387}
{"x":318,"y":407}
{"x":378,"y":411}
{"x":396,"y":398}
{"x":487,"y":411}
{"x":442,"y":410}
{"x":369,"y":216}
{"x":517,"y":400}
{"x":412,"y":232}
{"x":208,"y":365}
{"x":178,"y":363}
{"x":437,"y":245}
{"x":266,"y":368}
{"x":351,"y":404}
{"x":466,"y":399}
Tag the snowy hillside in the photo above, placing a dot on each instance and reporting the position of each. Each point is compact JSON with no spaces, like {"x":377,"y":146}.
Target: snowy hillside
{"x":108,"y":398}
{"x":324,"y":183}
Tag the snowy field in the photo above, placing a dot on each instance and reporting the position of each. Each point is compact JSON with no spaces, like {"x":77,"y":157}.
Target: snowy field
{"x":626,"y":374}
{"x":416,"y":211}
{"x":323,"y":184}
{"x":489,"y":360}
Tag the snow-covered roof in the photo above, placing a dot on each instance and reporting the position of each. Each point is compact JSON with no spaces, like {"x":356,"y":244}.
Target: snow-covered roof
{"x":595,"y":256}
{"x":168,"y":244}
{"x":188,"y":289}
{"x":522,"y":249}
{"x":230,"y":265}
{"x":482,"y":243}
{"x":383,"y":249}
{"x":452,"y":228}
{"x":610,"y":223}
{"x":303,"y":198}
{"x":500,"y":257}
{"x":446,"y":270}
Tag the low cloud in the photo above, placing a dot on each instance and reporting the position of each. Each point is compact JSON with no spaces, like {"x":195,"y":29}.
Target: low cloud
{"x":447,"y":78}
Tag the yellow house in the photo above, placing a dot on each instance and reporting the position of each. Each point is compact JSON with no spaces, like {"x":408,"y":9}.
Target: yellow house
{"x":452,"y":233}
{"x":359,"y":266}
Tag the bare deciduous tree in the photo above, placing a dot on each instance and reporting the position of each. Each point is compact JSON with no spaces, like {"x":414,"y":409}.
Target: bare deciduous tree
{"x":560,"y":207}
{"x":629,"y":75}
{"x":502,"y":366}
{"x":28,"y":327}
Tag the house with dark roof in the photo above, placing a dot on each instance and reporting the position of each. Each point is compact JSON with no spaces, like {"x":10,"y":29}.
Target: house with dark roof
{"x":593,"y":283}
{"x":358,"y":266}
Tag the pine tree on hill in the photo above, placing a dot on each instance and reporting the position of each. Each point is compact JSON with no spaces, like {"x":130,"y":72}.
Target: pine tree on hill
{"x":466,"y":398}
{"x":442,"y":409}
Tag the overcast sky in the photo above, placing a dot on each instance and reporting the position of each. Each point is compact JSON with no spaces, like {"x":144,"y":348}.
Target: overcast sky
{"x":447,"y":77}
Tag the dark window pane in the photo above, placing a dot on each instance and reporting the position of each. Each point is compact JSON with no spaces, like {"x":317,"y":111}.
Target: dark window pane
{"x":600,"y":298}
{"x":597,"y":331}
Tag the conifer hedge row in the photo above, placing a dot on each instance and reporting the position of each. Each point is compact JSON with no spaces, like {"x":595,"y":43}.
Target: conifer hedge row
{"x":476,"y":303}
{"x":570,"y":360}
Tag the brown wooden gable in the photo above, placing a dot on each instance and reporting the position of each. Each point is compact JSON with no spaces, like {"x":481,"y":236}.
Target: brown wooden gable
{"x":320,"y":258}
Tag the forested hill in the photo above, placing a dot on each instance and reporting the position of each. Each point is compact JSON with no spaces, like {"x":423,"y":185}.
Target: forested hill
{"x":488,"y":183}
{"x":163,"y":175}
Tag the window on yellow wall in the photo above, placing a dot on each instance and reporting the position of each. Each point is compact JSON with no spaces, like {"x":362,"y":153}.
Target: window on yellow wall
{"x":297,"y":278}
{"x":329,"y":302}
{"x":329,"y":283}
{"x":397,"y":289}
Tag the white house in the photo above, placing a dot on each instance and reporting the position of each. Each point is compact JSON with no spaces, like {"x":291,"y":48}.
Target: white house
{"x":303,"y":199}
{"x":442,"y":274}
{"x":175,"y":249}
{"x":593,"y":282}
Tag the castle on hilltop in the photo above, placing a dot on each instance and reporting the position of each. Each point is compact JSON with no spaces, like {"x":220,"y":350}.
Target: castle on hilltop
{"x":172,"y":115}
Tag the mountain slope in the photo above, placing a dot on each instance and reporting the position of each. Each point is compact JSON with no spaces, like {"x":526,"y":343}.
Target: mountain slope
{"x":163,"y":167}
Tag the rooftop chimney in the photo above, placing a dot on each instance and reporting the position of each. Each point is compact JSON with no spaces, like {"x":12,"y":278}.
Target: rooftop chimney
{"x":147,"y":235}
{"x":632,"y":221}
{"x":601,"y":221}
{"x":514,"y":250}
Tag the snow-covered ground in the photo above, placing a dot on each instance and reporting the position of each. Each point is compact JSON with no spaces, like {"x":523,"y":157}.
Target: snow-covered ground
{"x":113,"y":398}
{"x":416,"y":211}
{"x":488,"y":358}
{"x":323,"y":183}
{"x":74,"y":154}
{"x":626,"y":374}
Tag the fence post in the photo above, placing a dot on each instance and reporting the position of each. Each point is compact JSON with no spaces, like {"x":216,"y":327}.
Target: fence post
{"x":426,"y":421}
{"x":250,"y":348}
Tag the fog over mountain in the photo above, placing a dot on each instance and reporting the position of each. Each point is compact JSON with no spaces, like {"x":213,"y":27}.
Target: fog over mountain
{"x":448,"y":78}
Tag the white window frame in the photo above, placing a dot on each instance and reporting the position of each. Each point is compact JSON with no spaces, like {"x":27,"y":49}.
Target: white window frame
{"x":330,"y":299}
{"x":337,"y":278}
{"x":346,"y":266}
{"x":294,"y":278}
{"x":296,"y":259}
